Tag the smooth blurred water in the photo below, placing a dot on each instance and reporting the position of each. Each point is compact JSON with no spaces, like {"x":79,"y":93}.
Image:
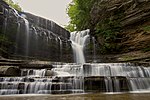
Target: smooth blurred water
{"x":79,"y":40}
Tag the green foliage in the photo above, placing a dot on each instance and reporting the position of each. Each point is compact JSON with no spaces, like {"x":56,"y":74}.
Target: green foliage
{"x":146,"y":28}
{"x":79,"y":13}
{"x":4,"y":43}
{"x":108,"y":29}
{"x":146,"y":49}
{"x":127,"y":58}
{"x":70,"y":27}
{"x":3,"y":39}
{"x":14,"y":5}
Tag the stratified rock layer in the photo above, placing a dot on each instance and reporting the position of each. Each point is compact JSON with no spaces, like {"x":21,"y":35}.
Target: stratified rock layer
{"x":32,"y":37}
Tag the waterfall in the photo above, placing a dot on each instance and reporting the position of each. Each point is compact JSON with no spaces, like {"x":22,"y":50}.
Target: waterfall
{"x":17,"y":38}
{"x":34,"y":36}
{"x":26,"y":23}
{"x":6,"y":12}
{"x":78,"y":78}
{"x":62,"y":78}
{"x":31,"y":72}
{"x":94,"y":49}
{"x":27,"y":34}
{"x":60,"y":45}
{"x":78,"y":40}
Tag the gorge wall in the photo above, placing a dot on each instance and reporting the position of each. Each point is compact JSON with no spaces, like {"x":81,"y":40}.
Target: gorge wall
{"x":122,"y":29}
{"x":24,"y":35}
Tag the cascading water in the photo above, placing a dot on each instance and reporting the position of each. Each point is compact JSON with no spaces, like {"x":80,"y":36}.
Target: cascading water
{"x":78,"y":40}
{"x":27,"y":34}
{"x":35,"y":82}
{"x":17,"y":38}
{"x":94,"y":49}
{"x":6,"y":12}
{"x":34,"y":73}
{"x":71,"y":78}
{"x":36,"y":37}
{"x":76,"y":78}
{"x":60,"y":44}
{"x":26,"y":23}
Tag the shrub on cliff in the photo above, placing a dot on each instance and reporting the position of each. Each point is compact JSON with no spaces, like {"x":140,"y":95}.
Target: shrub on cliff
{"x":14,"y":5}
{"x":4,"y":44}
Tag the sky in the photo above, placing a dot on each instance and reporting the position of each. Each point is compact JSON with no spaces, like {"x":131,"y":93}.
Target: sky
{"x":54,"y":10}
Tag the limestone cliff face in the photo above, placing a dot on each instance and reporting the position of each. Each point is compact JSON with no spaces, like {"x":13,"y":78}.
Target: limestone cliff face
{"x":32,"y":36}
{"x":128,"y":11}
{"x":133,"y":19}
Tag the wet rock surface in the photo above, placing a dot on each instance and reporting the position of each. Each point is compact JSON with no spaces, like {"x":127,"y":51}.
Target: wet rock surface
{"x":65,"y":78}
{"x":32,"y":37}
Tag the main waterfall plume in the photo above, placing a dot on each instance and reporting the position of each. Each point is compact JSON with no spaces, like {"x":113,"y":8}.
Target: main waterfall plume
{"x":79,"y":40}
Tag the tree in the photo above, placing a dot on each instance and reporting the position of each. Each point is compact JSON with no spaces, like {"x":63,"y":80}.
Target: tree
{"x":79,"y":13}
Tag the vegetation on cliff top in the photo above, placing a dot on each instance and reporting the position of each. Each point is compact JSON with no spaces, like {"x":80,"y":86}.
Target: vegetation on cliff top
{"x":79,"y":13}
{"x":14,"y":5}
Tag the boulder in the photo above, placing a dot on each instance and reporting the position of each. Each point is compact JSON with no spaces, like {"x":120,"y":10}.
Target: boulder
{"x":50,"y":73}
{"x":9,"y":71}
